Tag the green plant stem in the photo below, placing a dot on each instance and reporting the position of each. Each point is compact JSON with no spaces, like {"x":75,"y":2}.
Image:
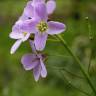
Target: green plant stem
{"x":73,"y":86}
{"x":78,"y":62}
{"x":67,"y":71}
{"x":58,"y":55}
{"x":89,"y":65}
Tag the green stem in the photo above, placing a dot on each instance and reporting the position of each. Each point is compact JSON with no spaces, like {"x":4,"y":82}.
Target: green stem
{"x":78,"y":62}
{"x":89,"y":65}
{"x":73,"y":86}
{"x":58,"y":55}
{"x":53,"y":40}
{"x":67,"y":71}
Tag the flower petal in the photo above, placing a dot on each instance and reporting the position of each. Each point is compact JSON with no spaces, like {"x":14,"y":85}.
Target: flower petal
{"x":23,"y":17}
{"x":29,"y":61}
{"x":32,"y":46}
{"x":16,"y":46}
{"x":36,"y":72}
{"x":29,"y":25}
{"x":15,"y":35}
{"x":41,"y":11}
{"x":51,"y":6}
{"x":29,"y":10}
{"x":40,"y":41}
{"x":16,"y":28}
{"x":26,"y":37}
{"x":38,"y":1}
{"x":55,"y":27}
{"x":43,"y":69}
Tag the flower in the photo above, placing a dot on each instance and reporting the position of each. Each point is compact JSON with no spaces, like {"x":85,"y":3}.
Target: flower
{"x":34,"y":62}
{"x":29,"y":9}
{"x":43,"y":27}
{"x":20,"y":31}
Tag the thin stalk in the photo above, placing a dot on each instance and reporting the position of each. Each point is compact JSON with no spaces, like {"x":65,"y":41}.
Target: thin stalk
{"x":67,"y":71}
{"x":91,"y":37}
{"x":78,"y":62}
{"x":73,"y":86}
{"x":58,"y":55}
{"x":53,"y":40}
{"x":91,"y":34}
{"x":89,"y":65}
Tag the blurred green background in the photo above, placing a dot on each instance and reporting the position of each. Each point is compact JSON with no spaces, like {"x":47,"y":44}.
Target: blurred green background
{"x":64,"y":75}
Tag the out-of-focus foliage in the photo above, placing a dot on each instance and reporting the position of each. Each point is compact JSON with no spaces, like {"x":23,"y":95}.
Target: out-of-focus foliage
{"x":15,"y":81}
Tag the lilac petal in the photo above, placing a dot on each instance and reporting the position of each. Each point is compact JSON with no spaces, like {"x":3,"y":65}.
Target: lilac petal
{"x":55,"y":27}
{"x":16,"y":46}
{"x":36,"y":72}
{"x":40,"y":40}
{"x":23,"y":17}
{"x":32,"y":46}
{"x":16,"y":27}
{"x":26,"y":37}
{"x":29,"y":26}
{"x":16,"y":35}
{"x":51,"y":6}
{"x":38,"y":1}
{"x":29,"y":10}
{"x":29,"y":61}
{"x":43,"y":69}
{"x":25,"y":26}
{"x":41,"y":11}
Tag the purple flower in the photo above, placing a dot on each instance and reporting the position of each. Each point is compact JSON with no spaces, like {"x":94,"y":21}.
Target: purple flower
{"x":34,"y":62}
{"x":21,"y":32}
{"x":43,"y":27}
{"x":29,"y":11}
{"x":24,"y":27}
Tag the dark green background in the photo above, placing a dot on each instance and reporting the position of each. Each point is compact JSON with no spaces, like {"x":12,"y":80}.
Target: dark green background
{"x":15,"y":81}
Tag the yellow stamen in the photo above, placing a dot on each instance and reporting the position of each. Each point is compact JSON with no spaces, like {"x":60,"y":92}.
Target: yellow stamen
{"x":24,"y":33}
{"x":42,"y":26}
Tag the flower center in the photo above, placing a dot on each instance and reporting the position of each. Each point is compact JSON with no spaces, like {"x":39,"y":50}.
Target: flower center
{"x":24,"y":33}
{"x":42,"y":26}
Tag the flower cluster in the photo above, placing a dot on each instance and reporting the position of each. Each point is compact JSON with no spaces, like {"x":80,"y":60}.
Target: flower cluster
{"x":34,"y":24}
